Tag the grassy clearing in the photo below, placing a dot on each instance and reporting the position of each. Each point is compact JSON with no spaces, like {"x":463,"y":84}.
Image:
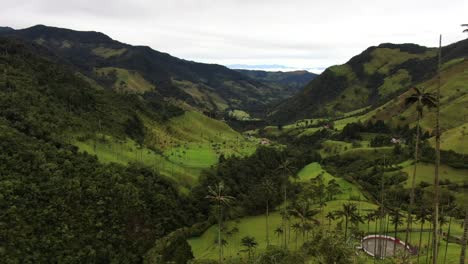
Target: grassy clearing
{"x":454,"y":139}
{"x":127,"y":81}
{"x":349,"y":190}
{"x":204,"y":247}
{"x":108,"y":52}
{"x":385,"y":59}
{"x":425,"y":173}
{"x":184,"y":146}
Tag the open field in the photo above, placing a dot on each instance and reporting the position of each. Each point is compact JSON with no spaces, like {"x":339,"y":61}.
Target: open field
{"x":425,"y":173}
{"x":195,"y":143}
{"x":204,"y":247}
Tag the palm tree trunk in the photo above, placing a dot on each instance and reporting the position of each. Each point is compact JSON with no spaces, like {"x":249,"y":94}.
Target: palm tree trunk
{"x":386,"y":233}
{"x":219,"y":234}
{"x":375,"y":244}
{"x":346,"y":228}
{"x":465,"y":238}
{"x":394,"y":242}
{"x":413,"y":183}
{"x":283,"y":217}
{"x":296,"y":239}
{"x":447,"y":237}
{"x":429,"y":245}
{"x":435,"y":241}
{"x":420,"y":240}
{"x":267,"y":226}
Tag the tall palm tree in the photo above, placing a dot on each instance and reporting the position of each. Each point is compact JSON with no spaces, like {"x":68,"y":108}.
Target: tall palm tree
{"x":330,"y":217}
{"x":447,"y":238}
{"x":286,"y":169}
{"x":466,"y":29}
{"x":250,"y":243}
{"x":303,"y":212}
{"x":421,"y":100}
{"x":279,"y":231}
{"x":465,"y":237}
{"x":369,"y":217}
{"x":435,"y":230}
{"x":396,"y":221}
{"x":296,"y":227}
{"x":217,"y":196}
{"x":422,"y":216}
{"x":268,"y":189}
{"x":349,"y":212}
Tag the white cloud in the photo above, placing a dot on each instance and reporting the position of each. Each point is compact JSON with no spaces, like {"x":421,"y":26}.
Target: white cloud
{"x":297,"y":33}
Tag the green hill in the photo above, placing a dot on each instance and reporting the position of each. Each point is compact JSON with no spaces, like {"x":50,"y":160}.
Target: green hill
{"x":377,"y":75}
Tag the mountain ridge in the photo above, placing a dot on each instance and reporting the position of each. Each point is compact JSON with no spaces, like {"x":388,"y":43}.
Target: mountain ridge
{"x":208,"y":87}
{"x":368,"y":79}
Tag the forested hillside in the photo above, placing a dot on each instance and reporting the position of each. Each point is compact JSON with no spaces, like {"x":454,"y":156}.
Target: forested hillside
{"x":61,"y":205}
{"x":139,"y":69}
{"x":289,"y":83}
{"x":371,"y":78}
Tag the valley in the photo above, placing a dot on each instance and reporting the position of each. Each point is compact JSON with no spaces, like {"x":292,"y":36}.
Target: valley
{"x":114,"y":153}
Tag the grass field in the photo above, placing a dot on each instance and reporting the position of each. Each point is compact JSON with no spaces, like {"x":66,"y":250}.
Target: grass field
{"x":204,"y":247}
{"x":455,"y":139}
{"x":184,"y":146}
{"x":425,"y":173}
{"x":127,"y":81}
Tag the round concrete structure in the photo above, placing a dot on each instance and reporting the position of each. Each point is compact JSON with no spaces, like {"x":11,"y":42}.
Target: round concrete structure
{"x":381,"y":246}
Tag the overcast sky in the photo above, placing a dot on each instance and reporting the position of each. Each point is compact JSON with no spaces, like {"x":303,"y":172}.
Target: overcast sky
{"x":288,"y":34}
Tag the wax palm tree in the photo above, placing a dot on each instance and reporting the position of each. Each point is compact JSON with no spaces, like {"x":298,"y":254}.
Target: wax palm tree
{"x":447,"y":238}
{"x":422,"y":216}
{"x":466,"y":29}
{"x":349,"y":212}
{"x":217,"y":196}
{"x":435,"y":230}
{"x":307,"y":226}
{"x":421,"y":100}
{"x":286,"y":169}
{"x":333,"y":188}
{"x":250,"y":244}
{"x":296,"y":227}
{"x":464,"y":238}
{"x":396,"y":221}
{"x":279,"y":231}
{"x":304,"y":213}
{"x":369,"y":217}
{"x":330,"y":217}
{"x":268,"y":189}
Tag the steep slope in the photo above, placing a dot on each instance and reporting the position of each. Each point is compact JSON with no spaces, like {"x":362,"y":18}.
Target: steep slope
{"x":45,"y":99}
{"x":289,"y":83}
{"x":117,"y":65}
{"x":368,"y":79}
{"x":60,"y":204}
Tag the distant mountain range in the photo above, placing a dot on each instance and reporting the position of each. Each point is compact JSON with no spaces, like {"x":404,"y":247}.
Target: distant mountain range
{"x":289,"y":82}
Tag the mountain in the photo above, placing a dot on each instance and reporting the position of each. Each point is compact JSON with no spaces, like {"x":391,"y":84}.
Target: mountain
{"x":6,"y":29}
{"x":369,"y":79}
{"x":140,"y":69}
{"x":289,"y":83}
